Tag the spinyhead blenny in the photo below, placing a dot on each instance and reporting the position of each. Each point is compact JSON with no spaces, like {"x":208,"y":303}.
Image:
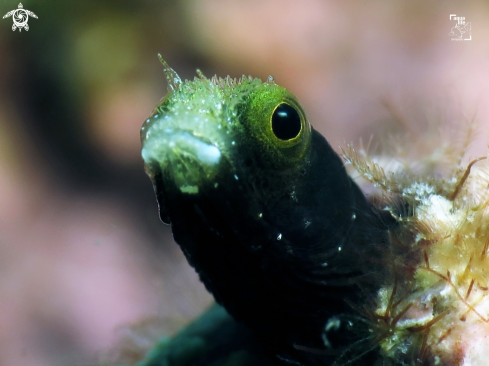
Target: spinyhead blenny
{"x":265,"y":212}
{"x":262,"y":207}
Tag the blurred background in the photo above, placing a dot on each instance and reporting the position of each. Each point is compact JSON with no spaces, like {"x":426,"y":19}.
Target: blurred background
{"x":84,"y":260}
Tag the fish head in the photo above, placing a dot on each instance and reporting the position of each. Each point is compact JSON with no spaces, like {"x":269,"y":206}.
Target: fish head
{"x":232,"y":155}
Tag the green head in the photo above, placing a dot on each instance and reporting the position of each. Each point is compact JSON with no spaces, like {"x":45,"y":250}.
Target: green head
{"x":206,"y":129}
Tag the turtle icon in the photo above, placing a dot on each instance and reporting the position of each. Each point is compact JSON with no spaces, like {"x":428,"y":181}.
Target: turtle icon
{"x":20,"y":17}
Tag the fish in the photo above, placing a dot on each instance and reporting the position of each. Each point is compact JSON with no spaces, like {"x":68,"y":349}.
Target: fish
{"x":265,"y":212}
{"x":292,"y":249}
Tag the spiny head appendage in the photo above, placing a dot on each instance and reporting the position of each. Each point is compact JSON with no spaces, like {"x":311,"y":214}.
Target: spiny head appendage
{"x":227,"y":83}
{"x":174,"y":81}
{"x":215,"y":94}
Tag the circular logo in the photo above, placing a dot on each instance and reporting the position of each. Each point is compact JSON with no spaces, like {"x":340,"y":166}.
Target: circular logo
{"x":20,"y":18}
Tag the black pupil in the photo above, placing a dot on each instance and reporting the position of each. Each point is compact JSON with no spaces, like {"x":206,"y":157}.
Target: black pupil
{"x":286,"y":122}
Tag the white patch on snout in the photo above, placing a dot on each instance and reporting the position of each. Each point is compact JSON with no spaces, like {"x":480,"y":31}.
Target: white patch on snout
{"x":207,"y":154}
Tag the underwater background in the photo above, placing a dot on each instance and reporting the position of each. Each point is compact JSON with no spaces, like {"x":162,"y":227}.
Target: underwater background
{"x":84,"y":259}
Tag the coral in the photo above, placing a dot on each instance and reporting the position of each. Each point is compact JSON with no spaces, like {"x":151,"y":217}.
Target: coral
{"x":433,"y":307}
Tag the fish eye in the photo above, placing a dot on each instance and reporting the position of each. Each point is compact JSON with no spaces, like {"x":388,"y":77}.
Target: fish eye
{"x":286,"y":122}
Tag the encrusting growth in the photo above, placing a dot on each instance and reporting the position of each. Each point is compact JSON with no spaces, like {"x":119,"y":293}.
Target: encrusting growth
{"x":433,"y":307}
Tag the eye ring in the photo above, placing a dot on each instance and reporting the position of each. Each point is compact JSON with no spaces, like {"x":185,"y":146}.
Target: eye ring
{"x":286,"y":122}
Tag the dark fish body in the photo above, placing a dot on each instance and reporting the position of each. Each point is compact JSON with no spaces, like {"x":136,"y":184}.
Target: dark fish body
{"x":265,"y":212}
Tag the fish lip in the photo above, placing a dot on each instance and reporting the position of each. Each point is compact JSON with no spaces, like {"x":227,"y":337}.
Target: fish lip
{"x":174,"y":142}
{"x":183,"y":157}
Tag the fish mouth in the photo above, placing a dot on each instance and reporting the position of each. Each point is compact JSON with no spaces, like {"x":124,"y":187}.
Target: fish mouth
{"x":181,"y":143}
{"x":197,"y":179}
{"x":197,"y":185}
{"x":180,"y":163}
{"x":186,"y":159}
